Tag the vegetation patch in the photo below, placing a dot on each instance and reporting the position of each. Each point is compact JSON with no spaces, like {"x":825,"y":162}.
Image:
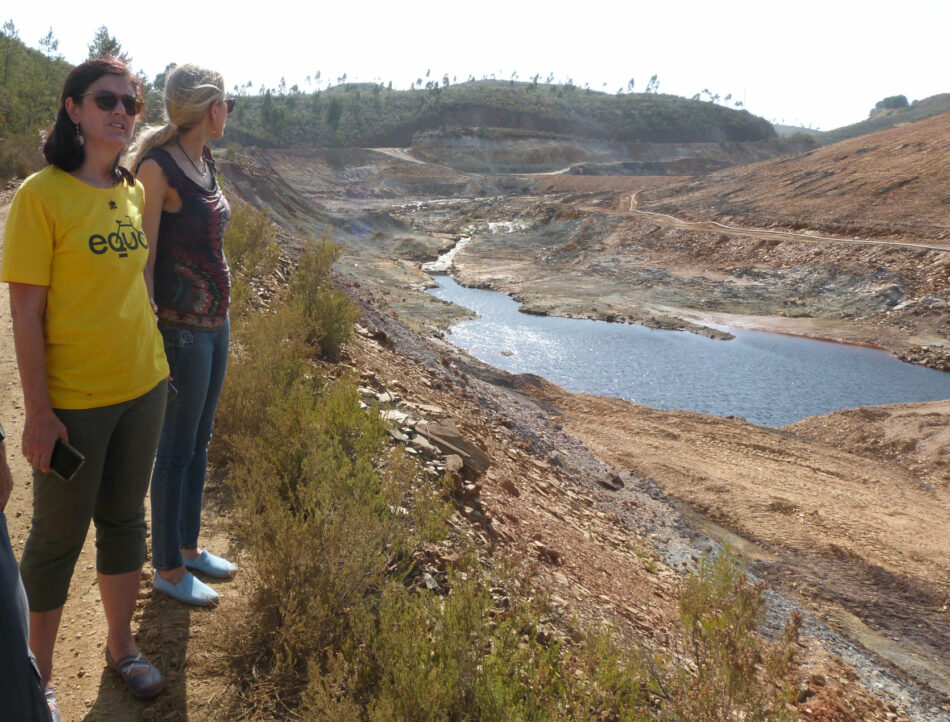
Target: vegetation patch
{"x":370,"y":115}
{"x":340,"y":624}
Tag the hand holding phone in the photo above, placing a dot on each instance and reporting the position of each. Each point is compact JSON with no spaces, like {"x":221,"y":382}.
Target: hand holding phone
{"x":41,"y":428}
{"x":66,"y":460}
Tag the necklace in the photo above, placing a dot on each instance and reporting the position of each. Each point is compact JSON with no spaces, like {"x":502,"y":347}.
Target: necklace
{"x":201,"y":173}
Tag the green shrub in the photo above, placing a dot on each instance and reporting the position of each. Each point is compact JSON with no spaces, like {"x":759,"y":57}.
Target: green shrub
{"x":20,"y":155}
{"x":738,"y":674}
{"x":29,"y":98}
{"x":891,"y":103}
{"x":315,"y":512}
{"x":250,"y":243}
{"x":431,"y":509}
{"x":330,"y":313}
{"x":269,"y":361}
{"x":465,"y":656}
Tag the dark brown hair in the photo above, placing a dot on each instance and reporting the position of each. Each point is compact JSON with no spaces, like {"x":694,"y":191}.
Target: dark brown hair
{"x":60,"y":147}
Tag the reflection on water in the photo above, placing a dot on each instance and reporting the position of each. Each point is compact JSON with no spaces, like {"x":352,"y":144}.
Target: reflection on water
{"x":766,"y":378}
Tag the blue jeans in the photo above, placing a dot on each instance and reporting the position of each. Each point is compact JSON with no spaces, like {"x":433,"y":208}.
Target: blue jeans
{"x":198,"y":361}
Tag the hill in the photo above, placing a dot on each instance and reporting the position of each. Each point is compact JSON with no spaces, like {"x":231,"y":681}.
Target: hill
{"x":918,"y":110}
{"x":369,"y":115}
{"x":888,"y":184}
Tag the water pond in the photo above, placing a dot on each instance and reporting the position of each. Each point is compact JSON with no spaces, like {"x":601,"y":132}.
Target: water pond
{"x":767,"y":378}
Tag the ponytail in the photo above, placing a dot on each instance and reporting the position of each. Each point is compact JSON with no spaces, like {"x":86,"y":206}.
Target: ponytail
{"x":190,"y":91}
{"x":148,"y":139}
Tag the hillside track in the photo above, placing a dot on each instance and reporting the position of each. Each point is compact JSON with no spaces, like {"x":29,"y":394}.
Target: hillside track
{"x":400,"y":153}
{"x":629,"y":205}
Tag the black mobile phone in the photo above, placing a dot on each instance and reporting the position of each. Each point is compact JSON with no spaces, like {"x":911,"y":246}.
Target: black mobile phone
{"x":172,"y":393}
{"x":65,"y":461}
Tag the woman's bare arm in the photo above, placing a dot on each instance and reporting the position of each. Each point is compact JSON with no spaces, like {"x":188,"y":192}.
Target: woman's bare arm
{"x":157,"y":192}
{"x":42,"y":427}
{"x":6,"y":478}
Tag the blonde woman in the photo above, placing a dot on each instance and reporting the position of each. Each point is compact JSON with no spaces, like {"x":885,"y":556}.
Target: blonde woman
{"x":188,"y":279}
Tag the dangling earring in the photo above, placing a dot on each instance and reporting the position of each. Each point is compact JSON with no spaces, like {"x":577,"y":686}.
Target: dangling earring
{"x":79,"y":139}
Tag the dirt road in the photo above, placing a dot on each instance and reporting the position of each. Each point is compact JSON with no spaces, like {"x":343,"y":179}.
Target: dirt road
{"x":629,"y":204}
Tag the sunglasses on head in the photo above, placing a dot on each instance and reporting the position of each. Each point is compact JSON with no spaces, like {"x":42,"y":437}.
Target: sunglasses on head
{"x":230,"y":103}
{"x":106,"y":100}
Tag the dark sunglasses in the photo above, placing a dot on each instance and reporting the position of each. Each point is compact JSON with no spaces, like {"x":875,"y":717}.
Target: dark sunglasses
{"x":106,"y":100}
{"x":230,"y":103}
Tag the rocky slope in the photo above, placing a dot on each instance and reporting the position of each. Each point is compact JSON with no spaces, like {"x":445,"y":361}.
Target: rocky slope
{"x":497,"y":150}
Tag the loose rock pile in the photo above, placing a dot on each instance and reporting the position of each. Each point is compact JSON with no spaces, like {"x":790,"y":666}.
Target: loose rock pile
{"x":430,"y":435}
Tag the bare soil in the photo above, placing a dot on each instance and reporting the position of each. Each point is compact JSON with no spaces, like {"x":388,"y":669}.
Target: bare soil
{"x":848,"y":514}
{"x":890,"y":184}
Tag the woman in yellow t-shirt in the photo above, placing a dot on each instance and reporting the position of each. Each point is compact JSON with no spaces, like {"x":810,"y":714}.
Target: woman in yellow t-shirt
{"x":91,"y":361}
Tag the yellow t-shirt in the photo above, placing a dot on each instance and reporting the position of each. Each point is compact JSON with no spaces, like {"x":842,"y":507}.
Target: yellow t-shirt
{"x":87,"y":246}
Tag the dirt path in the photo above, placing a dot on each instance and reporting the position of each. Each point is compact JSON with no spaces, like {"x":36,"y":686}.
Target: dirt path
{"x":177,"y":639}
{"x":632,"y":200}
{"x":400,"y":153}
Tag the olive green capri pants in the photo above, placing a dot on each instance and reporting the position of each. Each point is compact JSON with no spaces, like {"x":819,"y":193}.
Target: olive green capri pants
{"x":119,"y":444}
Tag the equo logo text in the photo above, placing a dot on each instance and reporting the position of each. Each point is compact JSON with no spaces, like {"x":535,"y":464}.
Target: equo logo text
{"x":125,"y":238}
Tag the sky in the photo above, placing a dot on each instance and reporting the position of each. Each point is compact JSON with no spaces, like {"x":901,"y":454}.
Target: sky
{"x":820,"y":64}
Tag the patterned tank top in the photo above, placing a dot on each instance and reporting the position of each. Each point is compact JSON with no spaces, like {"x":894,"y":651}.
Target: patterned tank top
{"x":192,"y":280}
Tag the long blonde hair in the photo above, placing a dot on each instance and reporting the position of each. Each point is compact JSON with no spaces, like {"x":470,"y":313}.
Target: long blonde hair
{"x":189,"y":92}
